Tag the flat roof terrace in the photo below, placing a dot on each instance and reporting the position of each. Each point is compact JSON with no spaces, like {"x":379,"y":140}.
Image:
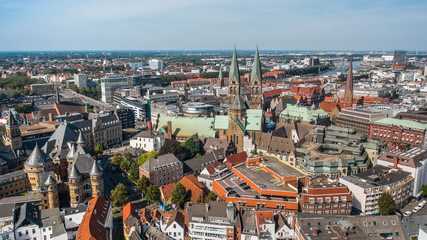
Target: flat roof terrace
{"x":324,"y":157}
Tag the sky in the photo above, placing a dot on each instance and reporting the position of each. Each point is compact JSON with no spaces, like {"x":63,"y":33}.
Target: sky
{"x":41,"y":25}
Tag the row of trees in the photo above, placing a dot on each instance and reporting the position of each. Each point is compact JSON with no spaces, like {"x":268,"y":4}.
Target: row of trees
{"x":18,"y":83}
{"x":126,"y":163}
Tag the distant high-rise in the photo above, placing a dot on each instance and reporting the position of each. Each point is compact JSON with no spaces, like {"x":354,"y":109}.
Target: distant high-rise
{"x":400,"y":57}
{"x":80,"y":80}
{"x":111,"y":83}
{"x":155,"y":64}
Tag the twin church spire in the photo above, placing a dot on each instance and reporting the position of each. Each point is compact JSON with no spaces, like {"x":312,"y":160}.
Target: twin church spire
{"x":234,"y":87}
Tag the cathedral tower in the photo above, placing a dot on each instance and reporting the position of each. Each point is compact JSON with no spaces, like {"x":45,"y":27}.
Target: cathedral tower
{"x":348,"y":94}
{"x":97,"y":180}
{"x":233,"y":79}
{"x":220,"y":78}
{"x":256,"y":83}
{"x":13,"y":134}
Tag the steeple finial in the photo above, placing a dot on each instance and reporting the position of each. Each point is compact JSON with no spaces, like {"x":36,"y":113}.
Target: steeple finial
{"x":220,"y":77}
{"x":348,"y":94}
{"x":234,"y":68}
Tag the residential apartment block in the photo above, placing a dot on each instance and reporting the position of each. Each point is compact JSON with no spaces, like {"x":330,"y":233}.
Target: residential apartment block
{"x":162,"y":170}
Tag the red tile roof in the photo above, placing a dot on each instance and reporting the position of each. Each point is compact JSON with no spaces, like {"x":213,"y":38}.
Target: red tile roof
{"x":92,"y":226}
{"x":237,"y":158}
{"x":191,"y":183}
{"x":128,"y":210}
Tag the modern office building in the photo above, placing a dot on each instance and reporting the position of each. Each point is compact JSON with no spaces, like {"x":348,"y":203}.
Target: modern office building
{"x":126,"y":116}
{"x":400,"y":57}
{"x":360,"y":118}
{"x":140,"y":109}
{"x":80,"y":80}
{"x":413,"y":161}
{"x":197,"y":109}
{"x":110,"y":83}
{"x":155,"y":64}
{"x":368,"y":186}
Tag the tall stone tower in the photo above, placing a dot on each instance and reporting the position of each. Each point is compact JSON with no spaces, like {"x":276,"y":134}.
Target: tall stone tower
{"x":97,"y":180}
{"x":76,"y":187}
{"x":13,"y":134}
{"x":348,"y":94}
{"x":52,"y":192}
{"x":221,"y":78}
{"x":256,"y":83}
{"x":34,"y":165}
{"x":233,"y":79}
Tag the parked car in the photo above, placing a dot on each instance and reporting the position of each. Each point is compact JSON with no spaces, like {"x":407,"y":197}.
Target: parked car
{"x":232,"y":192}
{"x":261,"y":185}
{"x":407,"y":214}
{"x":242,"y":184}
{"x":416,"y":209}
{"x":247,"y":187}
{"x":234,"y":178}
{"x":228,"y":189}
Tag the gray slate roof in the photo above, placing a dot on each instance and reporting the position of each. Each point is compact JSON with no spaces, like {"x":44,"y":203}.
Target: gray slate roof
{"x":37,"y":158}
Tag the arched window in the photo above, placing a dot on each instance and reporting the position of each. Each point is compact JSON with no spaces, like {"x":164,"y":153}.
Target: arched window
{"x":237,"y":139}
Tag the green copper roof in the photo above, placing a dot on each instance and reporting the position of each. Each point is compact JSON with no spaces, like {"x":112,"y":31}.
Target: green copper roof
{"x":221,"y":122}
{"x":189,"y":126}
{"x":401,"y":122}
{"x":240,"y":125}
{"x":306,"y":115}
{"x":234,"y":68}
{"x":253,"y":119}
{"x":256,"y":68}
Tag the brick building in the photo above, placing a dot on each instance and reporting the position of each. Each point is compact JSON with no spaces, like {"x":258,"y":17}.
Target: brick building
{"x":323,"y":195}
{"x":397,"y":131}
{"x":162,"y":170}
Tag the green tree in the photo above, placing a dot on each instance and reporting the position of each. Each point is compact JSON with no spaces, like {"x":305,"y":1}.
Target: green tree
{"x":134,"y":172}
{"x":424,"y":190}
{"x":153,"y":193}
{"x":191,"y":148}
{"x":3,"y":96}
{"x":144,"y":157}
{"x":117,"y":159}
{"x":212,"y":196}
{"x":120,"y":195}
{"x":179,"y":194}
{"x":125,"y":164}
{"x":386,"y":204}
{"x":173,"y":147}
{"x":97,"y":152}
{"x":143,"y":184}
{"x":254,"y":152}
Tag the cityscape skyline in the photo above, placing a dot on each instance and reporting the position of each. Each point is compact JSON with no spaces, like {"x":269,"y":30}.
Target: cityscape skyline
{"x":195,"y":25}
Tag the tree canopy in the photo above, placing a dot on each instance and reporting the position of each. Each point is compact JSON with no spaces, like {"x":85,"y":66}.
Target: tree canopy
{"x":179,"y":194}
{"x":97,"y":152}
{"x":153,"y":193}
{"x":27,"y":108}
{"x":212,"y":196}
{"x":120,"y":195}
{"x":386,"y":204}
{"x":144,"y":157}
{"x":191,"y":148}
{"x":133,"y":172}
{"x":424,"y":190}
{"x":175,"y":148}
{"x":143,"y":184}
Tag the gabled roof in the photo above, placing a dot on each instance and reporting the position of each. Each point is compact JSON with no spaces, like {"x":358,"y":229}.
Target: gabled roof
{"x":177,"y":217}
{"x":237,"y":158}
{"x":129,"y":210}
{"x":221,"y":122}
{"x":93,"y":225}
{"x":27,"y":213}
{"x":59,"y":138}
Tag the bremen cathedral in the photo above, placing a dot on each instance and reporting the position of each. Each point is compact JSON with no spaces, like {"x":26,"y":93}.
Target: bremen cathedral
{"x":245,"y":115}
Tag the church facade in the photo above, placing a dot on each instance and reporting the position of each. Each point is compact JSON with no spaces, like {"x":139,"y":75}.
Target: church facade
{"x":245,"y":116}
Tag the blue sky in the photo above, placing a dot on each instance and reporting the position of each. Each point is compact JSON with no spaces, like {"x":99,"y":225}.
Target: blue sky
{"x":213,"y":24}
